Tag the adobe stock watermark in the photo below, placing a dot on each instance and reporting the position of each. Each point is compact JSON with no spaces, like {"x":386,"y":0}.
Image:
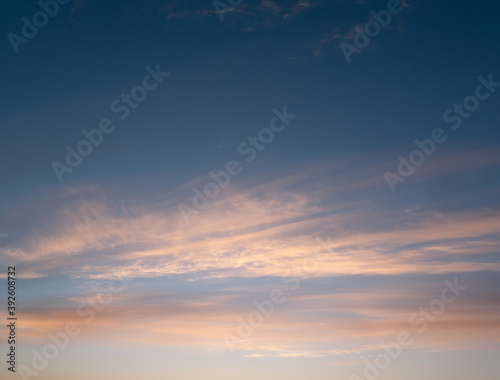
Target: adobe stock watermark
{"x":221,"y":7}
{"x":72,"y":329}
{"x":221,"y":179}
{"x":372,"y":29}
{"x":30,"y":28}
{"x":406,"y":167}
{"x":420,"y":320}
{"x":266,"y":308}
{"x":122,"y":107}
{"x":3,"y":236}
{"x":471,"y":103}
{"x":427,"y":147}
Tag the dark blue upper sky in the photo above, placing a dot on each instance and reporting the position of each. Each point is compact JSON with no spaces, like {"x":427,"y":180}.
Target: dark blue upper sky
{"x":227,"y":76}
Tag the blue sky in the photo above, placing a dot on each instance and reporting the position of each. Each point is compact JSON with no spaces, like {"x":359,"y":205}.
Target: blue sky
{"x":189,"y":277}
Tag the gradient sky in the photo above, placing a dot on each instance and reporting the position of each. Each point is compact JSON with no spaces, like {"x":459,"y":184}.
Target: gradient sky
{"x":116,"y":216}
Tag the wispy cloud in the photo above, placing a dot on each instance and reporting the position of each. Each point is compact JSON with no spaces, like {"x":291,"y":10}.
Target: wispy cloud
{"x":313,"y":323}
{"x":264,"y":230}
{"x":267,"y":229}
{"x":251,"y":15}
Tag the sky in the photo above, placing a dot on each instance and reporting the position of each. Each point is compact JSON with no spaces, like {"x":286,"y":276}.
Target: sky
{"x":250,"y":189}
